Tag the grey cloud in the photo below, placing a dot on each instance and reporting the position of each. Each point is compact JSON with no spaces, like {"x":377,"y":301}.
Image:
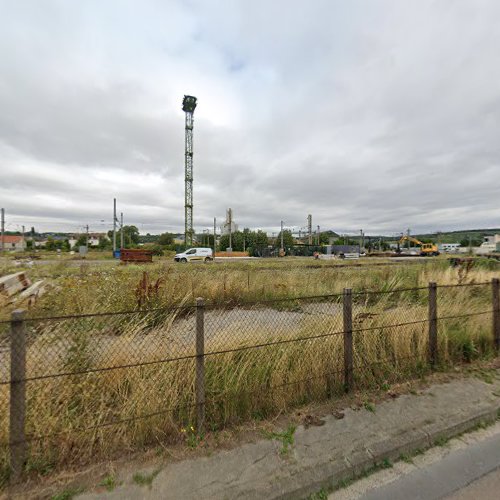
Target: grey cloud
{"x":381,"y":115}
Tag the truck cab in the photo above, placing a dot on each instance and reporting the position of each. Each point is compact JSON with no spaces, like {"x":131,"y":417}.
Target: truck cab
{"x":195,"y":254}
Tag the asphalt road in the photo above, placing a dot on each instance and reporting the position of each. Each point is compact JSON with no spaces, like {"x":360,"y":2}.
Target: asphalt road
{"x":486,"y":488}
{"x":465,"y":468}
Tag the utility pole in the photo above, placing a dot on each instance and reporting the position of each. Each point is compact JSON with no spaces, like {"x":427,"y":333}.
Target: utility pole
{"x":87,"y":239}
{"x":114,"y":226}
{"x":309,"y":229}
{"x":24,"y":248}
{"x":121,"y":229}
{"x":281,"y":249}
{"x":317,"y":238}
{"x":408,"y":240}
{"x":3,"y":229}
{"x":360,"y":240}
{"x":215,"y":235}
{"x":188,"y":106}
{"x":230,"y":224}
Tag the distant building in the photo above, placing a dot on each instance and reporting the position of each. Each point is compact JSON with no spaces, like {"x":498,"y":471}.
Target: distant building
{"x":229,"y":225}
{"x":492,"y":240}
{"x":13,"y":242}
{"x":93,"y":239}
{"x":42,"y":240}
{"x":490,"y":244}
{"x":449,"y":247}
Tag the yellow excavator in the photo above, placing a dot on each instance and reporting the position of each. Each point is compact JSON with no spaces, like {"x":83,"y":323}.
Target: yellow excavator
{"x":426,"y":249}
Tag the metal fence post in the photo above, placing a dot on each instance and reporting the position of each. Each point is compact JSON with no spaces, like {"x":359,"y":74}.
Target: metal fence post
{"x":495,"y":284}
{"x":348,"y":364}
{"x":200,"y":364}
{"x":433,"y":336}
{"x":17,"y":438}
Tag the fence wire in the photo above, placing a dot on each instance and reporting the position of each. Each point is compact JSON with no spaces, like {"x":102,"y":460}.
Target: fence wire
{"x":389,"y":335}
{"x":4,"y":389}
{"x":104,"y":382}
{"x":82,"y":345}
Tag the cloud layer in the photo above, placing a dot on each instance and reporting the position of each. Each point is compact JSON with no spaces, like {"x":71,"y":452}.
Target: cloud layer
{"x":378,"y":115}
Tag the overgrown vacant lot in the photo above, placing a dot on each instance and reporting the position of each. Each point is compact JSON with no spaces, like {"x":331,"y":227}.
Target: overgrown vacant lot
{"x":93,"y":288}
{"x":104,"y":384}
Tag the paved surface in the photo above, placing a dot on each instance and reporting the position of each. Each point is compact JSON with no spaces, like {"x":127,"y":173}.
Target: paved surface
{"x":322,"y":456}
{"x":466,"y":467}
{"x":485,"y":488}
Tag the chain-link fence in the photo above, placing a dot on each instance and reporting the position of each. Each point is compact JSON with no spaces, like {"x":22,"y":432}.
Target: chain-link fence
{"x":77,"y":387}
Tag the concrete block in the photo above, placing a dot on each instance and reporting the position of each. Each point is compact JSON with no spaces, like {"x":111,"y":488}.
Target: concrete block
{"x":36,"y":289}
{"x":14,"y":283}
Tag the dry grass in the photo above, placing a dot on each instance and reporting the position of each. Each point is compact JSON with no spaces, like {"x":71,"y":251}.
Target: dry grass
{"x":242,"y":384}
{"x":90,"y":289}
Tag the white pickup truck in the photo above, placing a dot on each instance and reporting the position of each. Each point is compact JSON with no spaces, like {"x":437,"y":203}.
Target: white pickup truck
{"x":195,"y":254}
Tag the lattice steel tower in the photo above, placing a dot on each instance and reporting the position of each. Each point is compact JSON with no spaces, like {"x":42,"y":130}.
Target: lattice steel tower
{"x":188,"y":106}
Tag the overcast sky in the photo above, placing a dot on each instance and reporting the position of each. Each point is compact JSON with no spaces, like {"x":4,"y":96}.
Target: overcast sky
{"x":373,"y":114}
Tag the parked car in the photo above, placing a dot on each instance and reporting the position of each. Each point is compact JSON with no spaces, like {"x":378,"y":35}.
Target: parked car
{"x":195,"y":254}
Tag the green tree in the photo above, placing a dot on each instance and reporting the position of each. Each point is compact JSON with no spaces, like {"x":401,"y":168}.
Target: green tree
{"x":475,"y":242}
{"x":156,"y":249}
{"x":104,"y":242}
{"x":255,"y":241}
{"x":324,"y":238}
{"x":130,"y":235}
{"x":166,"y":239}
{"x":81,"y":241}
{"x":288,"y":239}
{"x":236,"y":241}
{"x":244,"y":240}
{"x":50,"y":245}
{"x":261,"y":239}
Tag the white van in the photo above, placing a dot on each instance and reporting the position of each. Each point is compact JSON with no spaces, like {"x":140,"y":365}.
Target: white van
{"x":193,"y":254}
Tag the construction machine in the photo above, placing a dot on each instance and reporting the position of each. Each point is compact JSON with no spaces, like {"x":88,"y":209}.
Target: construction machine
{"x":426,"y":249}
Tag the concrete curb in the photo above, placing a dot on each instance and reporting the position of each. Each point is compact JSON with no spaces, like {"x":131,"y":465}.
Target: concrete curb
{"x":392,"y":450}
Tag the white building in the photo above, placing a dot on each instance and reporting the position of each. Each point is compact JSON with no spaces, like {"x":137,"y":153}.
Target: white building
{"x":93,"y":239}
